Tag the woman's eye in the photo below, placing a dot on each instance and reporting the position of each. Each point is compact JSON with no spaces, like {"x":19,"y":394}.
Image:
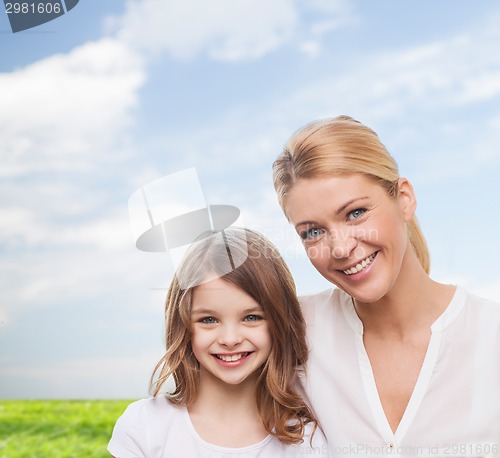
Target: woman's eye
{"x":253,"y":318}
{"x":355,"y":214}
{"x":312,"y":233}
{"x":208,"y":320}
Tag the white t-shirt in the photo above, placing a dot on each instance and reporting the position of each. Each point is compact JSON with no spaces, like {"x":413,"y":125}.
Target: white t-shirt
{"x":156,"y":428}
{"x":454,"y":410}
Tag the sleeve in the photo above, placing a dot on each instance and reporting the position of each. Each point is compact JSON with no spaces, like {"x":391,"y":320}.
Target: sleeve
{"x":129,"y":438}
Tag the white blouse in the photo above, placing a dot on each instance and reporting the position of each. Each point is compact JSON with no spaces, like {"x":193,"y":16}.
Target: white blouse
{"x":155,"y":428}
{"x":454,"y":410}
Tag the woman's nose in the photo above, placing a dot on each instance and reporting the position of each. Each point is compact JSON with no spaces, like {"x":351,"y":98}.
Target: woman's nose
{"x":342,"y":244}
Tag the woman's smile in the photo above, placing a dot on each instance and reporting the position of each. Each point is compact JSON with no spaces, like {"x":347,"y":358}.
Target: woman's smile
{"x":360,"y":266}
{"x":354,"y":233}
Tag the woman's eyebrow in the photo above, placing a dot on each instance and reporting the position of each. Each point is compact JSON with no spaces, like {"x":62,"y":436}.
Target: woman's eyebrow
{"x":337,"y":212}
{"x":305,"y":223}
{"x":350,"y":202}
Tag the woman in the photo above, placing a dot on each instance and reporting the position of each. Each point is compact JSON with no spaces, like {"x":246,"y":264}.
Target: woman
{"x":400,"y":365}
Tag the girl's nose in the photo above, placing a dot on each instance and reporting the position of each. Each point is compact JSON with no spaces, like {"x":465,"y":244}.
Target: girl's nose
{"x":230,"y":335}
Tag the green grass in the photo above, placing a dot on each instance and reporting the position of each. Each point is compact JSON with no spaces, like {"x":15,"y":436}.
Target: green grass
{"x":57,"y":429}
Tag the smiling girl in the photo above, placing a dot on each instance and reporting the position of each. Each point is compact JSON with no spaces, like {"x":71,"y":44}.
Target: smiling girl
{"x":235,"y":340}
{"x":400,"y":364}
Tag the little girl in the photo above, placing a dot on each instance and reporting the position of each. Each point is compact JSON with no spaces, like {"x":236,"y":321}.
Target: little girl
{"x":235,"y":340}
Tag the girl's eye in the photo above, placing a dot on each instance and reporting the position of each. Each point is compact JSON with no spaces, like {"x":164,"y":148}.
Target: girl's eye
{"x":208,"y":320}
{"x":355,"y":214}
{"x":253,"y":318}
{"x":312,"y":233}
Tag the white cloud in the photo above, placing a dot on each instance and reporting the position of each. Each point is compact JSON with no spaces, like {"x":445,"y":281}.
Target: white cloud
{"x":225,"y":30}
{"x":65,"y":113}
{"x":66,"y":110}
{"x":427,"y":80}
{"x":311,"y":48}
{"x":222,"y":29}
{"x":440,"y":75}
{"x":455,"y":72}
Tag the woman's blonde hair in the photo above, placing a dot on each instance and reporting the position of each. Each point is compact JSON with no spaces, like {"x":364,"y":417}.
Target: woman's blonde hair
{"x":338,"y":147}
{"x":248,"y":260}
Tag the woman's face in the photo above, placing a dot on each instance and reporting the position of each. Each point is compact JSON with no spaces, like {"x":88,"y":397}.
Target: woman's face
{"x":354,"y":233}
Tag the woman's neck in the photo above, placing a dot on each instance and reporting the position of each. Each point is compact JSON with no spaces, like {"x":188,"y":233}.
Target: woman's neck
{"x":412,"y":305}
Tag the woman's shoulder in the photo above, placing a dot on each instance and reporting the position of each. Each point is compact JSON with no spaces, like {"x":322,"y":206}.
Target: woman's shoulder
{"x":318,"y":437}
{"x":483,"y":301}
{"x":322,"y":303}
{"x":485,"y":309}
{"x":468,"y":312}
{"x":313,"y":443}
{"x":477,"y":303}
{"x":321,"y":297}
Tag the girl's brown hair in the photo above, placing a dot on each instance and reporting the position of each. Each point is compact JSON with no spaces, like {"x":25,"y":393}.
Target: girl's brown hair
{"x":248,"y":260}
{"x":341,"y":146}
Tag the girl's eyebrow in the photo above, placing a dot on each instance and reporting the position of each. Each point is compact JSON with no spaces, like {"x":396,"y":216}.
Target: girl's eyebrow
{"x":205,"y":311}
{"x":253,"y":310}
{"x":195,"y":311}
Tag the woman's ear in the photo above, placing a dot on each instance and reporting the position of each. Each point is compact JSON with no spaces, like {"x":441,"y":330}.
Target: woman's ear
{"x":406,"y":198}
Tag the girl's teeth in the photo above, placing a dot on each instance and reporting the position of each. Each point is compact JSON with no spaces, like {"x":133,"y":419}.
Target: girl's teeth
{"x":360,"y":266}
{"x":232,"y":357}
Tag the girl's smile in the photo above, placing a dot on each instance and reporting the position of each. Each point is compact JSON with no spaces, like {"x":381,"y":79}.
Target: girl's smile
{"x":233,"y":359}
{"x":231,"y":339}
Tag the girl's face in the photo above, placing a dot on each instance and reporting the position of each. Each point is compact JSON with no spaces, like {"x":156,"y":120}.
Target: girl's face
{"x":354,"y":233}
{"x":231,"y":338}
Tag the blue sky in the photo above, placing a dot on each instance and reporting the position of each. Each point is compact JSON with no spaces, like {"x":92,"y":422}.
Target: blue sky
{"x":114,"y":95}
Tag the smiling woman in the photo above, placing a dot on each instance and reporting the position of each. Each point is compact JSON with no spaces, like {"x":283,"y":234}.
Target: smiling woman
{"x":235,"y":341}
{"x":411,"y":367}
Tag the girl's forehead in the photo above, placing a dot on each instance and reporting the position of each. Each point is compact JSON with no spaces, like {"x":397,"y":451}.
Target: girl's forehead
{"x":222,"y":295}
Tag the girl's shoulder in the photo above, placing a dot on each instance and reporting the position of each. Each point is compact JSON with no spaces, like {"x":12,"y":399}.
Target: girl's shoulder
{"x":152,"y":408}
{"x":145,"y":426}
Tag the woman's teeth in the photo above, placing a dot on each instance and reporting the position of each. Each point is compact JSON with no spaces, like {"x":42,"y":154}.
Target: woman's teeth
{"x":360,"y":266}
{"x":232,"y":357}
